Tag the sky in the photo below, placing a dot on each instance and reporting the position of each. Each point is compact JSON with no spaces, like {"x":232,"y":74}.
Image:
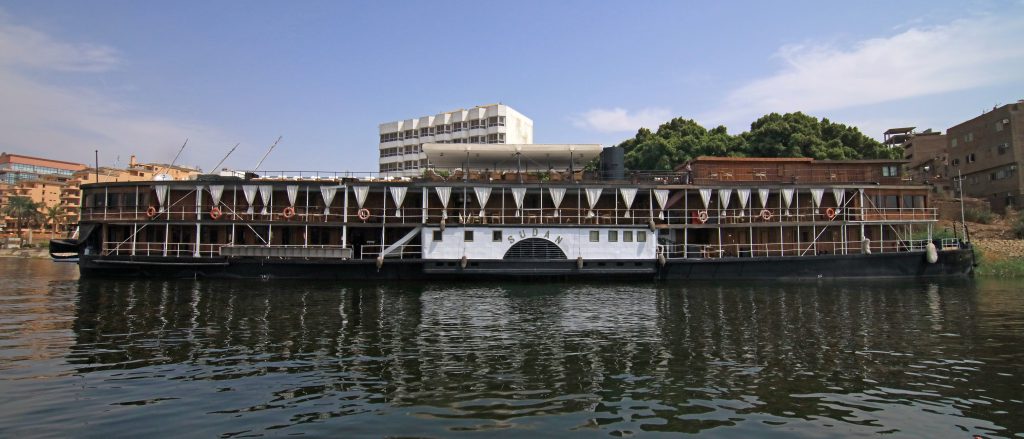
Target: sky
{"x":131,"y":77}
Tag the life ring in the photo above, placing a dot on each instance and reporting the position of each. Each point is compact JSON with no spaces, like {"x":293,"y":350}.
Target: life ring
{"x":151,"y":212}
{"x":766,"y":214}
{"x":702,"y":216}
{"x":830,"y":213}
{"x":288,"y":212}
{"x":364,"y":214}
{"x":215,"y":213}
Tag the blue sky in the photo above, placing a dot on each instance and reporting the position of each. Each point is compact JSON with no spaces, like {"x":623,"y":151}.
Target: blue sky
{"x":139,"y":77}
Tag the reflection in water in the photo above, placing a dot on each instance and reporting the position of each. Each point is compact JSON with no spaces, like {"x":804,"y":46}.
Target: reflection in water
{"x":244,"y":358}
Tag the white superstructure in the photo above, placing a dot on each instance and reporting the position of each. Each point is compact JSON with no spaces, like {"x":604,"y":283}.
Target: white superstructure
{"x":401,"y":142}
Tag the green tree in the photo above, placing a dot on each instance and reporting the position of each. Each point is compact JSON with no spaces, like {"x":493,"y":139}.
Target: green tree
{"x":23,"y":210}
{"x":773,"y":135}
{"x":54,"y":216}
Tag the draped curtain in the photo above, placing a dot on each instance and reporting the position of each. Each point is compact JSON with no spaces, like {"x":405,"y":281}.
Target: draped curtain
{"x":557,"y":194}
{"x":593,"y":194}
{"x":482,"y":195}
{"x":628,"y":195}
{"x":444,"y":194}
{"x":161,"y":195}
{"x":250,"y":197}
{"x":327,"y":192}
{"x":518,"y":193}
{"x":266,"y":191}
{"x":398,"y":195}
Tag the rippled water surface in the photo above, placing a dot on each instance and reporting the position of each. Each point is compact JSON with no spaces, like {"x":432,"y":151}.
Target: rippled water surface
{"x":242,"y":359}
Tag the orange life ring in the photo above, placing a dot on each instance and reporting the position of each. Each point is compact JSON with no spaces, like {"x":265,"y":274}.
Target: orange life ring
{"x":702,"y":216}
{"x":766,"y":214}
{"x":215,"y":213}
{"x":364,"y":214}
{"x":151,"y":212}
{"x":830,"y":213}
{"x":288,"y":212}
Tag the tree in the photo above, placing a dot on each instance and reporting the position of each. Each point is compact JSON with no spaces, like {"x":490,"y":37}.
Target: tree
{"x":773,"y":135}
{"x":23,"y":210}
{"x":53,"y":216}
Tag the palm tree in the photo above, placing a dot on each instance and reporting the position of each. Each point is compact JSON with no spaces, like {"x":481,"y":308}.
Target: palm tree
{"x":23,"y":210}
{"x":53,"y":216}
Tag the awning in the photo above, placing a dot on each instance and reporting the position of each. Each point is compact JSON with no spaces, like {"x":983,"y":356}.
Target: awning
{"x":509,"y":156}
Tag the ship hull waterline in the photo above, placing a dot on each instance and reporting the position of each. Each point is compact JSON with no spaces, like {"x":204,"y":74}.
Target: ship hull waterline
{"x":951,"y":263}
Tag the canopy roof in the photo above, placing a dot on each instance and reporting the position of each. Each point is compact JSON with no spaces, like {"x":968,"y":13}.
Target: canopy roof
{"x":509,"y":156}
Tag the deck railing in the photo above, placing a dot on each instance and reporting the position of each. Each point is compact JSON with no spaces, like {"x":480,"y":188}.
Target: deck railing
{"x":778,"y":249}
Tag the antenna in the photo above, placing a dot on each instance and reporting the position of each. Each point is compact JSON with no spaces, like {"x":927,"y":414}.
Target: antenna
{"x":267,"y":154}
{"x":176,"y":156}
{"x":221,"y":162}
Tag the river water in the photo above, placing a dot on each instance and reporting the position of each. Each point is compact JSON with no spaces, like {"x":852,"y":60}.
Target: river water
{"x":90,"y":358}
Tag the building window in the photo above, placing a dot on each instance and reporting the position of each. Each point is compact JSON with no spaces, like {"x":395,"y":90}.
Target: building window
{"x":999,"y":126}
{"x":1001,"y":149}
{"x":496,"y":235}
{"x":956,"y":162}
{"x":613,"y":236}
{"x":970,"y":158}
{"x":968,"y":138}
{"x":952,"y":142}
{"x":438,"y":236}
{"x":641,"y":236}
{"x":595,"y":236}
{"x":468,"y":236}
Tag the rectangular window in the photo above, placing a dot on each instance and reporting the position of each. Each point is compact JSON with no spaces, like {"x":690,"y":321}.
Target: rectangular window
{"x":438,"y":235}
{"x":613,"y":236}
{"x":595,"y":236}
{"x":1001,"y":149}
{"x":999,"y":126}
{"x":468,"y":236}
{"x":641,"y":236}
{"x":952,"y":142}
{"x":496,"y":235}
{"x":892,"y":202}
{"x":890,"y":171}
{"x":627,"y":236}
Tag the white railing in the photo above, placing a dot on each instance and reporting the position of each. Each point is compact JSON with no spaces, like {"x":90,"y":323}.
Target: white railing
{"x":407,"y":251}
{"x":176,"y":249}
{"x":780,"y":249}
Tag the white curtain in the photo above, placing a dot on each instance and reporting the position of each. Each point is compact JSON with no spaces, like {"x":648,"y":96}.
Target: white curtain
{"x":216,"y":192}
{"x":266,"y":191}
{"x":328,"y":193}
{"x":518,"y":193}
{"x":816,"y":196}
{"x":628,"y":195}
{"x":840,"y":195}
{"x":662,"y":196}
{"x":724,"y":195}
{"x":593,"y":194}
{"x":361,"y":192}
{"x":744,"y":196}
{"x":293,"y":193}
{"x":787,"y":199}
{"x":762,"y":194}
{"x":482,"y":195}
{"x":250,"y":196}
{"x":161,"y":194}
{"x":705,"y":196}
{"x":398,"y":195}
{"x":445,"y":194}
{"x":557,"y":194}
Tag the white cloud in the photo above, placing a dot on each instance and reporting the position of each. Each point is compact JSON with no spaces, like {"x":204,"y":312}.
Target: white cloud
{"x":964,"y":54}
{"x":48,"y":118}
{"x":619,"y":120}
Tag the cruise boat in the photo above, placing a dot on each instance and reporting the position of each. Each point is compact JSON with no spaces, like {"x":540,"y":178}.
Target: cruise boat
{"x":525,"y":211}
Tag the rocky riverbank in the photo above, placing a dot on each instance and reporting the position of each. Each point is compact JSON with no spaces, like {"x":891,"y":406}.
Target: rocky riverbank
{"x":41,"y":253}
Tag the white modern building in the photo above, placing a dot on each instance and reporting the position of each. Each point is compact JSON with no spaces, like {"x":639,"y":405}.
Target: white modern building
{"x":401,"y":142}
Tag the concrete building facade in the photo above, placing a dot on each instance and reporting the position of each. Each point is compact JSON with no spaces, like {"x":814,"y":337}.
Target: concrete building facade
{"x":988,"y":150}
{"x":401,"y":142}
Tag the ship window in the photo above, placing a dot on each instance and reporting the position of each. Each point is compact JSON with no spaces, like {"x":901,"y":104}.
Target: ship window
{"x":496,"y":235}
{"x":890,"y":171}
{"x":892,"y":202}
{"x":613,"y":236}
{"x":641,"y":236}
{"x":595,"y":236}
{"x":438,"y":235}
{"x":468,"y":235}
{"x":627,"y":236}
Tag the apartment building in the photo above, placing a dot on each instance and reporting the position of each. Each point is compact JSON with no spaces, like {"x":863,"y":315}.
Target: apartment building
{"x":401,"y":142}
{"x":987,"y":150}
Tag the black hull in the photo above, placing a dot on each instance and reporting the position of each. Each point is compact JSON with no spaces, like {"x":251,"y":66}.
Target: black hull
{"x":955,"y":263}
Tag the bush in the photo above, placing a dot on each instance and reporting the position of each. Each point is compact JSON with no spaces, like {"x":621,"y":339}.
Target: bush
{"x":1018,"y":227}
{"x":981,"y":216}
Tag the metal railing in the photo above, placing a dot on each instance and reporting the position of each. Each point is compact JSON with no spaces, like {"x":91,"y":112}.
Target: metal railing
{"x":406,"y":251}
